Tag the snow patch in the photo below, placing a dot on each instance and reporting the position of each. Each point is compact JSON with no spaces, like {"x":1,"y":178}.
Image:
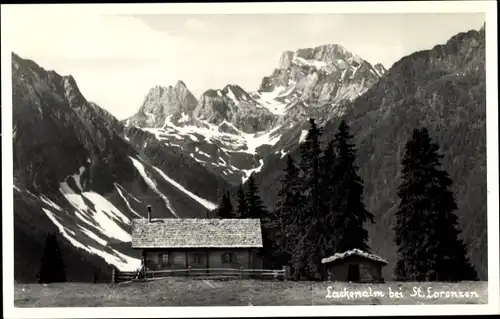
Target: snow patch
{"x":303,"y":136}
{"x":315,"y":63}
{"x":120,"y":190}
{"x":342,"y":76}
{"x":184,"y":118}
{"x":268,"y":99}
{"x":200,"y":200}
{"x":140,"y":168}
{"x":105,"y":214}
{"x":202,"y":153}
{"x":283,"y":153}
{"x":176,"y":145}
{"x":355,"y":71}
{"x":50,"y":203}
{"x":151,"y":115}
{"x":249,"y":172}
{"x":256,"y":140}
{"x":222,"y":161}
{"x":198,"y":160}
{"x":93,"y":236}
{"x":231,"y":95}
{"x":77,"y":176}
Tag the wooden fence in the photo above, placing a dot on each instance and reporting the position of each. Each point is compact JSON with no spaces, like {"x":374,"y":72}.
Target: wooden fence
{"x":121,"y":276}
{"x":203,"y":273}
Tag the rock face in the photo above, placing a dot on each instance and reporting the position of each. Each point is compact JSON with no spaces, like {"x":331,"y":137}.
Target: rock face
{"x":231,"y":131}
{"x":76,"y":174}
{"x":442,"y":89}
{"x":234,"y":105}
{"x":161,"y":102}
{"x":325,"y":74}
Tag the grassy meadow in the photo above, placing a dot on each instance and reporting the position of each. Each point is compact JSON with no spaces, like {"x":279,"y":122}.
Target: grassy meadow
{"x":198,"y":292}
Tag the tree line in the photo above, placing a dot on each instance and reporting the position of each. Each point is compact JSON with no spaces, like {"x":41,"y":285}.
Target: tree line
{"x":320,"y":211}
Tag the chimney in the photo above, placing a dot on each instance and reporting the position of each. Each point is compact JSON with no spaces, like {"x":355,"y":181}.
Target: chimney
{"x":149,"y":213}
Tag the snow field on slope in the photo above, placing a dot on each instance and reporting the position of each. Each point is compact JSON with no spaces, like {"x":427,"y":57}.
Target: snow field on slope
{"x":105,"y":214}
{"x":103,"y":220}
{"x":212,"y":132}
{"x":119,"y":260}
{"x":204,"y":202}
{"x":152,"y":185}
{"x":121,"y":190}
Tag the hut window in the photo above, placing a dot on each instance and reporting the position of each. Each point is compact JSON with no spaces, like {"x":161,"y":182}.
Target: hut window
{"x":227,"y":258}
{"x":197,"y":258}
{"x":164,"y":259}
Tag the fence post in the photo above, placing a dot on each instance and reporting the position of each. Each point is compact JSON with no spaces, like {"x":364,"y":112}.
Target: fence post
{"x":113,"y":275}
{"x":286,"y":272}
{"x":241,"y":272}
{"x":189,"y":270}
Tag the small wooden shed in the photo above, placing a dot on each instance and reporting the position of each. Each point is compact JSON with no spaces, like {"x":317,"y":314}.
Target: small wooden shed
{"x":355,"y":266}
{"x":175,"y":243}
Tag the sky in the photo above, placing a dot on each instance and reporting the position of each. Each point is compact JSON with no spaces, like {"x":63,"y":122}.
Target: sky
{"x":116,"y":59}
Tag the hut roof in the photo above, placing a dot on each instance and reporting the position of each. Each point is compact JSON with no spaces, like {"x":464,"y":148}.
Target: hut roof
{"x":353,"y":252}
{"x":196,"y":233}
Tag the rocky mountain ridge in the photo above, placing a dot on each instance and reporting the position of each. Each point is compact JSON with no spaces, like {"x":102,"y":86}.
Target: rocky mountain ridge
{"x":241,"y":128}
{"x":76,"y":175}
{"x":442,"y":89}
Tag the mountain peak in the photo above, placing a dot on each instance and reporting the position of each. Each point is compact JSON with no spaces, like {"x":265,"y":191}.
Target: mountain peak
{"x":379,"y":67}
{"x":180,"y":84}
{"x":162,"y":101}
{"x":73,"y":93}
{"x":233,"y":87}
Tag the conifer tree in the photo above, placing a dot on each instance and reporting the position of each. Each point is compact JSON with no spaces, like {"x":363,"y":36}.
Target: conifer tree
{"x":256,"y":209}
{"x":427,"y":230}
{"x":349,"y":214}
{"x":52,"y":268}
{"x":310,"y":152}
{"x":242,"y":211}
{"x":329,"y":198}
{"x":306,"y":262}
{"x":96,"y":274}
{"x":255,"y":206}
{"x":225,"y":208}
{"x":283,"y":216}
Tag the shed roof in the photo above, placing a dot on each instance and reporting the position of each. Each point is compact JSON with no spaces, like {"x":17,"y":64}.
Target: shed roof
{"x":353,"y":252}
{"x":196,"y":233}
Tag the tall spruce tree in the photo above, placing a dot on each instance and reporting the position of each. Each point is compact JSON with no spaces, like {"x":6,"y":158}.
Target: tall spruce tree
{"x":225,"y":208}
{"x":283,"y":218}
{"x":255,"y":206}
{"x":242,"y":210}
{"x":256,"y":209}
{"x":427,"y":230}
{"x":329,"y":197}
{"x":52,"y":268}
{"x":350,"y":214}
{"x":306,"y":261}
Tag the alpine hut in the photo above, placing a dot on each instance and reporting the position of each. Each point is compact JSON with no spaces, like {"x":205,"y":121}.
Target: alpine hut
{"x":168,"y":243}
{"x":355,"y":266}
